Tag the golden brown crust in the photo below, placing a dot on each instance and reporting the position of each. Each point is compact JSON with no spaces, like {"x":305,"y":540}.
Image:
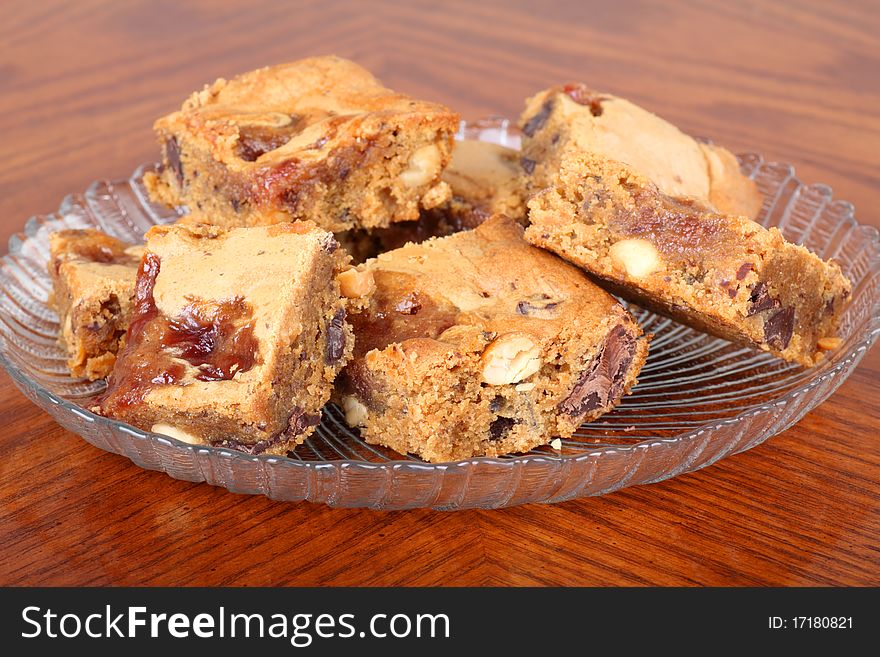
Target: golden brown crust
{"x":218,"y":355}
{"x":93,"y":278}
{"x":317,"y":139}
{"x":474,"y":343}
{"x":729,"y":191}
{"x":574,"y":118}
{"x":720,"y":273}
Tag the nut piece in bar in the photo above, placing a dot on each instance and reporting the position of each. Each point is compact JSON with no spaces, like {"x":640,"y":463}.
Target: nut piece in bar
{"x":573,"y":118}
{"x":723,"y":274}
{"x":479,"y":344}
{"x":236,"y":336}
{"x":318,"y":139}
{"x":93,"y":277}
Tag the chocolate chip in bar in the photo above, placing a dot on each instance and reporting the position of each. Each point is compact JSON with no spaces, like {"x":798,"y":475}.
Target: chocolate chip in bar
{"x":743,"y":270}
{"x":329,"y":243}
{"x":300,"y":421}
{"x":538,"y":120}
{"x":761,"y":299}
{"x":537,"y":305}
{"x":602,"y":381}
{"x":501,"y":426}
{"x":336,"y":337}
{"x":779,"y":327}
{"x":172,"y":156}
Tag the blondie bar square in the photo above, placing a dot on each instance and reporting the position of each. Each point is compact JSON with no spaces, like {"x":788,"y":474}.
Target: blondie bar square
{"x":723,"y":274}
{"x":485,"y":180}
{"x":575,"y":119}
{"x":317,"y":139}
{"x":93,"y":278}
{"x":479,"y":344}
{"x":236,"y":335}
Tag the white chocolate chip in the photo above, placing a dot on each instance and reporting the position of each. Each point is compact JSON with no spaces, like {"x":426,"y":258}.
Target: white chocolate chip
{"x":355,"y":284}
{"x":556,"y":444}
{"x":423,"y":166}
{"x":509,"y":359}
{"x":355,"y":412}
{"x":637,"y":257}
{"x":176,"y":433}
{"x":524,"y":387}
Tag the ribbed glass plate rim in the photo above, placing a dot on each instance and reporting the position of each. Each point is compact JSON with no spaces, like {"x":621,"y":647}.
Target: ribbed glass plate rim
{"x":845,"y":362}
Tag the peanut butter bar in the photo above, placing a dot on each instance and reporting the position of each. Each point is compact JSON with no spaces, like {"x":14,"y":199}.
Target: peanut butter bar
{"x":479,"y":344}
{"x":485,"y":180}
{"x":722,"y":274}
{"x":236,"y":335}
{"x":439,"y":222}
{"x":93,"y":277}
{"x":573,"y":118}
{"x":317,"y":139}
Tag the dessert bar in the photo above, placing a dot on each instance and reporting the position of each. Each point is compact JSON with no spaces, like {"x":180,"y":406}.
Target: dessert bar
{"x":573,"y":118}
{"x":236,"y":335}
{"x":485,"y":180}
{"x":722,"y":274}
{"x":317,"y":139}
{"x":480,"y":344}
{"x":93,"y":277}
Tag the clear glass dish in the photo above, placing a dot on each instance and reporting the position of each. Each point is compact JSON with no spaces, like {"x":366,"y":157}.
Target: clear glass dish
{"x":699,"y":398}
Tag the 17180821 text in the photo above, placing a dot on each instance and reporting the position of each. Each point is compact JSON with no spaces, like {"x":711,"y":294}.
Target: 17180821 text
{"x":810,"y":623}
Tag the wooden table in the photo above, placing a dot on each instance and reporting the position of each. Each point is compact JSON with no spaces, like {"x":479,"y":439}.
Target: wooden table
{"x":80,"y":84}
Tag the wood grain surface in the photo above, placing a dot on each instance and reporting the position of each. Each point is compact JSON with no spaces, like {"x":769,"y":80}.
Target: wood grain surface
{"x":80,"y":84}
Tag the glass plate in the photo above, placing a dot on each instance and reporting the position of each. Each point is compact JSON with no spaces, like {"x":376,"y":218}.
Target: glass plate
{"x":699,"y":398}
